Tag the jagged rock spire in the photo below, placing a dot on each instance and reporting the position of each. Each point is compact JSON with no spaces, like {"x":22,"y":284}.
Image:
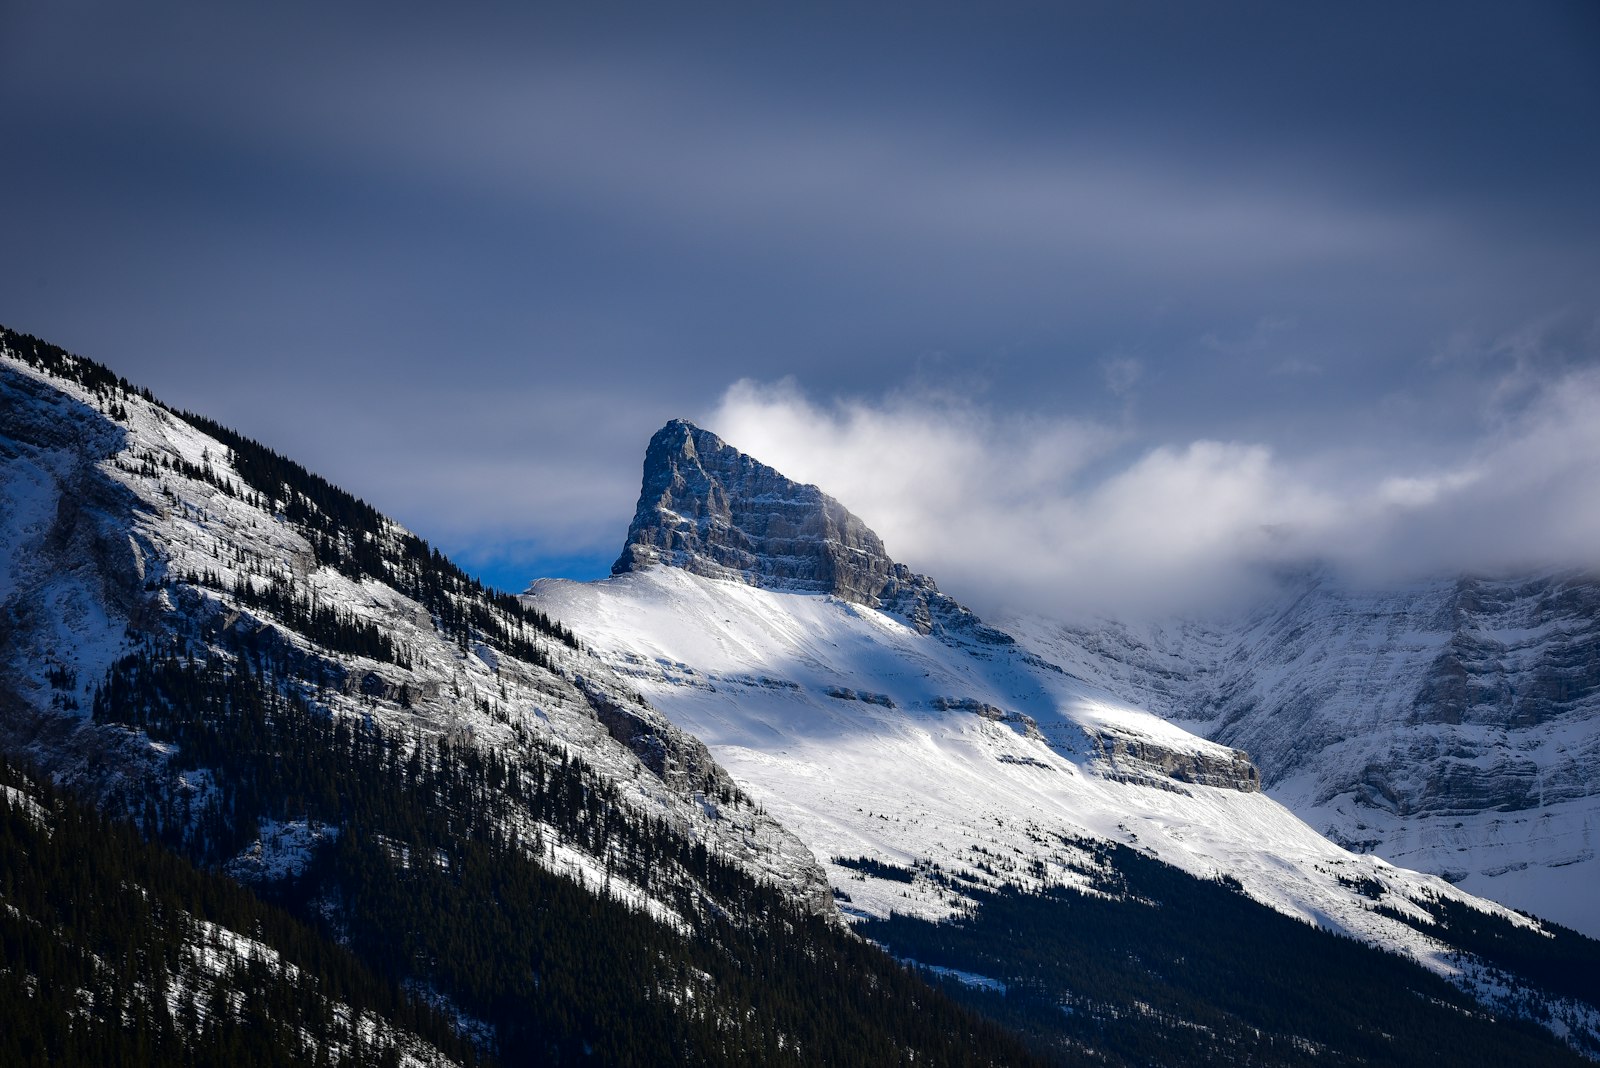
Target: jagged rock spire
{"x":708,"y":508}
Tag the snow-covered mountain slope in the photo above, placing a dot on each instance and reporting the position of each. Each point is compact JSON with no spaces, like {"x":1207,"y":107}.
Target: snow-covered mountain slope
{"x":871,"y":740}
{"x":918,"y":758}
{"x":118,"y":517}
{"x":274,"y":679}
{"x":266,"y":675}
{"x":1451,"y":726}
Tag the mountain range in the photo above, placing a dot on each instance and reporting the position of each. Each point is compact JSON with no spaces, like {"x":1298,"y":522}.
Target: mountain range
{"x":1452,"y":725}
{"x":764,"y":795}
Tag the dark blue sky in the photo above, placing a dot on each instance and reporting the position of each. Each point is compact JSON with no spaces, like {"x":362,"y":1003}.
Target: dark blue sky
{"x":466,"y":263}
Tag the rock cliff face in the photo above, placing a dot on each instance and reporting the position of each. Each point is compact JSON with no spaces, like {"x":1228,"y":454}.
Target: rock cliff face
{"x":711,"y":510}
{"x":1521,"y":654}
{"x":1144,"y":761}
{"x":1452,"y":726}
{"x":1448,"y":698}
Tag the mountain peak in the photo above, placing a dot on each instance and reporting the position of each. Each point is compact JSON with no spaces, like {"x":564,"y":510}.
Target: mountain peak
{"x":710,"y":509}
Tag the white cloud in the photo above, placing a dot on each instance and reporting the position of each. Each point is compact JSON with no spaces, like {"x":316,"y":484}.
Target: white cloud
{"x":1013,"y":510}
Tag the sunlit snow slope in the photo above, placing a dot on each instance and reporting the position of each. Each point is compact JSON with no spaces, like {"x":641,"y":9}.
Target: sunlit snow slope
{"x":866,"y":738}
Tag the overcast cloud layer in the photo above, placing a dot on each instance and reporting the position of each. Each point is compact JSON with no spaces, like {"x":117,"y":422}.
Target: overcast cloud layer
{"x":1064,"y":518}
{"x":1144,"y":296}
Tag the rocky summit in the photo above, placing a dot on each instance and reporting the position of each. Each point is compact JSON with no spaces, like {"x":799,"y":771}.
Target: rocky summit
{"x":710,"y":509}
{"x":713,"y":511}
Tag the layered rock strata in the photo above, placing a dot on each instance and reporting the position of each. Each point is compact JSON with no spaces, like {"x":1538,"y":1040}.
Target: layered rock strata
{"x":711,"y":510}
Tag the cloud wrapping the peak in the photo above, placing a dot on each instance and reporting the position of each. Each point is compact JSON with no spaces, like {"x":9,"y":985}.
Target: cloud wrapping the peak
{"x":1072,"y":517}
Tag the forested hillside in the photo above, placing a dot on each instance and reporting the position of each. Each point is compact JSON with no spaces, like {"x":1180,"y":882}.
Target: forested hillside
{"x":270,"y":679}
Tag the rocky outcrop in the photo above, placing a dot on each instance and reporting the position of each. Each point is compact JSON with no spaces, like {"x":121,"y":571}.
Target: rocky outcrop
{"x":677,"y":759}
{"x":1143,"y":760}
{"x":1520,"y":654}
{"x":917,"y":600}
{"x":710,"y":509}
